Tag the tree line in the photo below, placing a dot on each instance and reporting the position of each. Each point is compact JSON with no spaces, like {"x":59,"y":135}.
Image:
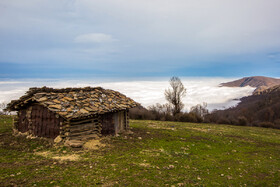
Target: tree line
{"x":255,"y":110}
{"x":173,"y":109}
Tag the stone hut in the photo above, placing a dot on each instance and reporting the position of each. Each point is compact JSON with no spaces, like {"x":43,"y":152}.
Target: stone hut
{"x":73,"y":113}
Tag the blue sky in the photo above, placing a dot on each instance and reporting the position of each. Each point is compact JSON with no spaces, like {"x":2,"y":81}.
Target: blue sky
{"x":139,"y":38}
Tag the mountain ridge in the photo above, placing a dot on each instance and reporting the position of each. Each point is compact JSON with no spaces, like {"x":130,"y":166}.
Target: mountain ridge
{"x":261,"y":83}
{"x":261,"y":109}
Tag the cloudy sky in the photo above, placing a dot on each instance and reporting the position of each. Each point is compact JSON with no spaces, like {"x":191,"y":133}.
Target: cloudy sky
{"x":139,"y":38}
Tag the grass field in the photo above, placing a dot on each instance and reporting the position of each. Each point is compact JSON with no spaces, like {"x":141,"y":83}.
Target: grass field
{"x":156,"y":154}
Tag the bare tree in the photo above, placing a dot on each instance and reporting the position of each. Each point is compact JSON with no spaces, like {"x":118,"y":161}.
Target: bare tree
{"x":3,"y":106}
{"x":175,"y":94}
{"x":200,"y":110}
{"x":162,"y":109}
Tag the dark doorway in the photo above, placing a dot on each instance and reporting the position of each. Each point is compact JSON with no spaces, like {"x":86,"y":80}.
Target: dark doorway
{"x":107,"y":122}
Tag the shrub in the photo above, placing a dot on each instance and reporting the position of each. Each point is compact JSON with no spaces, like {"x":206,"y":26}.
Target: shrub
{"x":277,"y":123}
{"x":242,"y":121}
{"x":223,"y":120}
{"x":266,"y":124}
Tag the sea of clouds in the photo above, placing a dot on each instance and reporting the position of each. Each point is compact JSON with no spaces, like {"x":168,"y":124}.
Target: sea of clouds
{"x":146,"y":92}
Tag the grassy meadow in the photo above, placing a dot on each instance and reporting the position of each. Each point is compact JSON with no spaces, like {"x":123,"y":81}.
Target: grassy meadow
{"x":154,"y":153}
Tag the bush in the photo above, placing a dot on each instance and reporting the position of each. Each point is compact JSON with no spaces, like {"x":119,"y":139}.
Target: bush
{"x":141,"y":113}
{"x":162,"y":113}
{"x":233,"y":121}
{"x":266,"y":124}
{"x":277,"y":122}
{"x":223,"y":120}
{"x":242,"y":121}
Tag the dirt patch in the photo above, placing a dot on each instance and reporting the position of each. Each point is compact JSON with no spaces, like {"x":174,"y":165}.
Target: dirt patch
{"x":161,"y":126}
{"x":64,"y":157}
{"x":172,"y":127}
{"x":241,"y":138}
{"x":198,"y":129}
{"x":146,"y":165}
{"x":94,"y":144}
{"x":153,"y":152}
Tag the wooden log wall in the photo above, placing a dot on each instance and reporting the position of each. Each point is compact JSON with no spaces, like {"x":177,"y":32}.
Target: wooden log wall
{"x":83,"y":129}
{"x":39,"y":121}
{"x":22,"y":125}
{"x":43,"y":122}
{"x":126,"y":119}
{"x":29,"y":119}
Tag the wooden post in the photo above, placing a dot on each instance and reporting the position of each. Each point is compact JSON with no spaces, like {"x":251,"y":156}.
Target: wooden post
{"x":127,"y":119}
{"x":29,"y":119}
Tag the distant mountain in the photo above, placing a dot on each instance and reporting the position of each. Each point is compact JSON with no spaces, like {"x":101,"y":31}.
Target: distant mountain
{"x":262,"y":109}
{"x":259,"y":82}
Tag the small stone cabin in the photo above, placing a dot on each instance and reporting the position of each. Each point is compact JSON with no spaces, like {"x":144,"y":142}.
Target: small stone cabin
{"x":72,"y":113}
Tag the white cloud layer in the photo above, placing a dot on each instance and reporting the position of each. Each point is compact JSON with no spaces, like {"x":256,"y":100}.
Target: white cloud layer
{"x":147,"y":93}
{"x":94,"y":38}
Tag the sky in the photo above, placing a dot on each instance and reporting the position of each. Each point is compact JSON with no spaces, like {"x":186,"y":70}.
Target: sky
{"x":139,"y":38}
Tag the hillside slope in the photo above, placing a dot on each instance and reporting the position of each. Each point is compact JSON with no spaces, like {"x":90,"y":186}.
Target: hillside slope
{"x":261,"y":83}
{"x":260,"y":109}
{"x":154,"y":154}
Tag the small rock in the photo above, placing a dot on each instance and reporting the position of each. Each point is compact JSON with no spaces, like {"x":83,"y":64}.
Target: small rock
{"x":222,"y":175}
{"x":12,"y":175}
{"x":55,"y":106}
{"x":198,"y":178}
{"x":74,"y":143}
{"x":64,"y":151}
{"x":58,"y":139}
{"x":140,"y":138}
{"x":229,"y":177}
{"x":171,"y":166}
{"x":18,"y":173}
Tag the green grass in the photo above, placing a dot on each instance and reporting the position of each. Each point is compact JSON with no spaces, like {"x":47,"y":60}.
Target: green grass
{"x":168,"y":153}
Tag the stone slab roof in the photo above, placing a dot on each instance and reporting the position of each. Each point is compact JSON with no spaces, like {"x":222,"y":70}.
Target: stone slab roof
{"x":71,"y":103}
